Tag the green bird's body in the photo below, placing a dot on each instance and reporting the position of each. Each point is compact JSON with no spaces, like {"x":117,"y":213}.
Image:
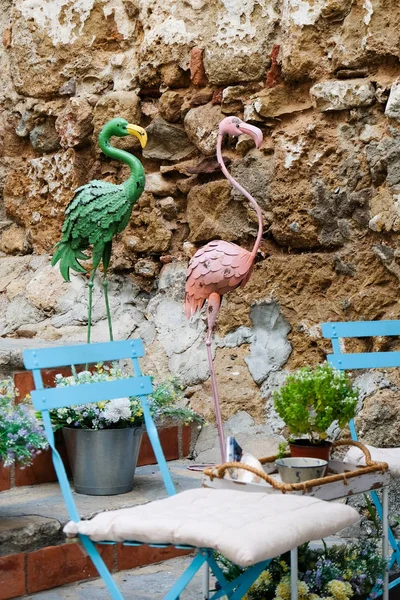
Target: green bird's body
{"x":100,"y":210}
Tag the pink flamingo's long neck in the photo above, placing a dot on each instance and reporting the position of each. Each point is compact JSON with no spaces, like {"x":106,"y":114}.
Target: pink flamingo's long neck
{"x":244,"y":192}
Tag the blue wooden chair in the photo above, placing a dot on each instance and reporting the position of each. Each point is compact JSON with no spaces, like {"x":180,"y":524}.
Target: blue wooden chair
{"x":46,"y":399}
{"x":365,"y":360}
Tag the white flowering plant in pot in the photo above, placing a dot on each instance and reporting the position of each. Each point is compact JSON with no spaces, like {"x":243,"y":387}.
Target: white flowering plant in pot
{"x":103,"y":438}
{"x":165,"y":401}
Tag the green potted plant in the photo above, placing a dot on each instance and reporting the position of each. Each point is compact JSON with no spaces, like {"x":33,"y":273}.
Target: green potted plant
{"x":21,"y":436}
{"x":309,"y":402}
{"x":103,"y":439}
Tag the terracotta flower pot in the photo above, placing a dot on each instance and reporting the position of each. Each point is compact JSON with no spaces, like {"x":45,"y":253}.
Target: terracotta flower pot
{"x":303,"y":448}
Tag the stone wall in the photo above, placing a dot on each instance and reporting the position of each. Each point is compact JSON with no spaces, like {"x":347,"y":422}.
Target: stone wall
{"x":319,"y":78}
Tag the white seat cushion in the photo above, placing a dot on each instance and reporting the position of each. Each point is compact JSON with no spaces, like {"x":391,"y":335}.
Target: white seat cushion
{"x":391,"y":456}
{"x":246,"y":528}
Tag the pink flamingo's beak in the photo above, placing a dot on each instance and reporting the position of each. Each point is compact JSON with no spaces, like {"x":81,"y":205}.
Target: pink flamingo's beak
{"x":254,"y":132}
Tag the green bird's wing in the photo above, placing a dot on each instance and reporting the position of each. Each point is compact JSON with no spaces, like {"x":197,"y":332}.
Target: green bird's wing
{"x":96,"y":213}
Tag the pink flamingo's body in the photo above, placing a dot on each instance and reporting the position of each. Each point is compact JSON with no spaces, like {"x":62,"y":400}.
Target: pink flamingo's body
{"x":220,"y":266}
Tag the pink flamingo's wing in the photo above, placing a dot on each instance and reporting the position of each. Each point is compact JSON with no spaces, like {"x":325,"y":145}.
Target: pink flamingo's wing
{"x":218,"y":267}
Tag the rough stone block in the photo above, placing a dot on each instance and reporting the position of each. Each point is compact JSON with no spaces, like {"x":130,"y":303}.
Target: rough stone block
{"x":212,"y":213}
{"x":37,"y":194}
{"x":170,"y":105}
{"x":392,"y":109}
{"x":74,"y":124}
{"x":226,"y":66}
{"x":269,"y":346}
{"x":158,"y":185}
{"x":44,"y":138}
{"x":122,"y":104}
{"x":342,"y":95}
{"x":167,"y":142}
{"x":201,"y":125}
{"x":281,"y":100}
{"x":27,"y":533}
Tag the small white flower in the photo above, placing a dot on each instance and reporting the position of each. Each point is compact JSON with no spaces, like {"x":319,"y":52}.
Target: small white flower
{"x":69,"y":420}
{"x":117,"y":410}
{"x":84,"y":374}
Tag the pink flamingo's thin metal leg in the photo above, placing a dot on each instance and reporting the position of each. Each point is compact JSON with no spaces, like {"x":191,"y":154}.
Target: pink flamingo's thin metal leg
{"x":213,"y":304}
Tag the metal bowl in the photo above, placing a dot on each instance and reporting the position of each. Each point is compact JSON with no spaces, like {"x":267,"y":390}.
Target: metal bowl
{"x":297,"y":470}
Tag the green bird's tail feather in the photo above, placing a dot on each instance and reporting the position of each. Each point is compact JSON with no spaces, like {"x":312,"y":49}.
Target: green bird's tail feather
{"x":68,"y":259}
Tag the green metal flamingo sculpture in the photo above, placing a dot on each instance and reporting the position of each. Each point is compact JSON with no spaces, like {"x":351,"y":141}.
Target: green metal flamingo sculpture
{"x":98,"y":211}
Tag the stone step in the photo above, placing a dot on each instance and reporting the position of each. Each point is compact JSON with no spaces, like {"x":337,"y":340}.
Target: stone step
{"x":34,"y":554}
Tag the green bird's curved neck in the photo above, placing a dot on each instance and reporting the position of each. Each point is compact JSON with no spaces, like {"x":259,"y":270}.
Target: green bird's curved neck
{"x":134,"y":186}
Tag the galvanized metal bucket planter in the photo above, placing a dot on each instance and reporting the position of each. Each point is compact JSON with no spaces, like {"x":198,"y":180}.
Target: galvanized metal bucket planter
{"x":103,"y":461}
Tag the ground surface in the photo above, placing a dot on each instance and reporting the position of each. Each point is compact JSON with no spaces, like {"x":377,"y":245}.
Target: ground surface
{"x":146,"y":583}
{"x":32,"y":517}
{"x":46,"y":499}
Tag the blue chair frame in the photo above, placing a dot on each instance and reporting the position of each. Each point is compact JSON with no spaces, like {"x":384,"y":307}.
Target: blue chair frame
{"x":365,"y":360}
{"x":46,"y":399}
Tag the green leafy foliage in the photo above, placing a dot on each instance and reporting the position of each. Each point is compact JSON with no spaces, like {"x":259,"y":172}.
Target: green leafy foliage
{"x":282,"y":449}
{"x":311,"y":399}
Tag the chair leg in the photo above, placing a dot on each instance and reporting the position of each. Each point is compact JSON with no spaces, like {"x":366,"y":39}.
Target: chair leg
{"x":385,"y":539}
{"x":243,"y":583}
{"x":187,"y":576}
{"x":392,"y":539}
{"x":101,"y":568}
{"x":293,"y":573}
{"x":206,"y":581}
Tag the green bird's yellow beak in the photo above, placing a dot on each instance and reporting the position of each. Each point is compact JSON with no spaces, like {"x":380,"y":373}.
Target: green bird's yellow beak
{"x":138,"y":132}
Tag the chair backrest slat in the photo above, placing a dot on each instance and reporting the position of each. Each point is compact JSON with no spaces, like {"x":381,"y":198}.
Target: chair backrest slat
{"x":360,"y":329}
{"x":59,"y":397}
{"x":360,"y":360}
{"x":46,"y":358}
{"x":364,"y":360}
{"x":45,"y":399}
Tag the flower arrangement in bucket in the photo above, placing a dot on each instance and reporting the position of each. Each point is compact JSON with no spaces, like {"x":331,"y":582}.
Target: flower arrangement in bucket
{"x":21,"y":435}
{"x":310,"y":402}
{"x":340,"y":572}
{"x":103,"y":438}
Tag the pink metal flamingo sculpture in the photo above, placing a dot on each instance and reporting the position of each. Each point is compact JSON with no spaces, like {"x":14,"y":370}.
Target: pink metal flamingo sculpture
{"x":220,"y":266}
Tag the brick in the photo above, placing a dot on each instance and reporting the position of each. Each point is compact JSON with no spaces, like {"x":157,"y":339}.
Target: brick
{"x":57,"y":565}
{"x":12,"y":576}
{"x":23,"y":380}
{"x":42,"y":470}
{"x":24,"y":384}
{"x":5,"y":478}
{"x":186,"y":440}
{"x":129,"y":557}
{"x":169,"y":443}
{"x":197,"y":71}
